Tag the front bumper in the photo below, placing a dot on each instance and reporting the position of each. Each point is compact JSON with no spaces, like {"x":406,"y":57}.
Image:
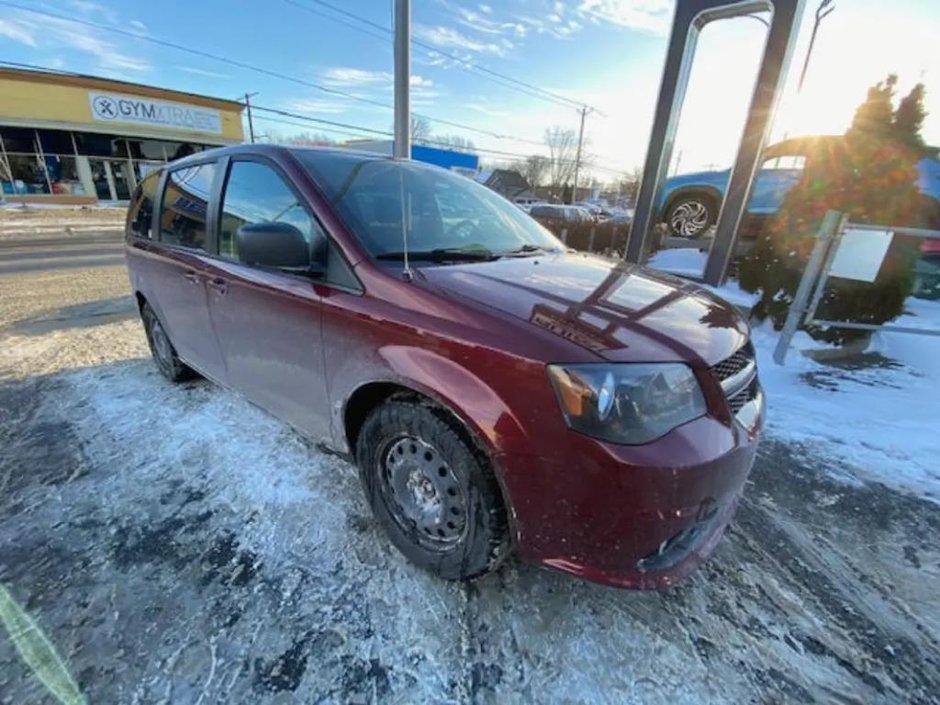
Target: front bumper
{"x":640,"y":517}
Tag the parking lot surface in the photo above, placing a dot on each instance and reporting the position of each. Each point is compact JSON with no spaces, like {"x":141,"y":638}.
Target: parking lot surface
{"x":178,"y":545}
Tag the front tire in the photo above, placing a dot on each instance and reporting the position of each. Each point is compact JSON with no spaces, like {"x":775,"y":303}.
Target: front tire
{"x":691,"y":215}
{"x":433,"y":493}
{"x":162,"y":350}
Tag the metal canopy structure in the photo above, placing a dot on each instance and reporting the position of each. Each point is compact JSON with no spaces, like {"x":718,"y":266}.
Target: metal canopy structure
{"x":690,"y":18}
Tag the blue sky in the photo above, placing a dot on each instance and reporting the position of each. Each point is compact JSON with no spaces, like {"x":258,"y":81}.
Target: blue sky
{"x":607,"y":53}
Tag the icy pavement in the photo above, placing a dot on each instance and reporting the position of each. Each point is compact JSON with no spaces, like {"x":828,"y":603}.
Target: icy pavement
{"x":178,"y":545}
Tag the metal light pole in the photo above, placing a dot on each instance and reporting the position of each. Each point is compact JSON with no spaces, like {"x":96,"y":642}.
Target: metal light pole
{"x":402,"y":79}
{"x":822,"y":12}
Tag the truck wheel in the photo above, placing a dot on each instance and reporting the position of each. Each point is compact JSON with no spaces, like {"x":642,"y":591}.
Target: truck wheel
{"x":691,"y":215}
{"x":162,"y":350}
{"x":434,"y":494}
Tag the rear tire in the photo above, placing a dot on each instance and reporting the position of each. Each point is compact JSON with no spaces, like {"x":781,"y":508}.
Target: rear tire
{"x":162,"y":350}
{"x":433,"y":493}
{"x":690,"y":215}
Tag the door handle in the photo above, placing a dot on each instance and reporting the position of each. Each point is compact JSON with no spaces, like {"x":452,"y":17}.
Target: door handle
{"x":191,"y":277}
{"x":219,"y":285}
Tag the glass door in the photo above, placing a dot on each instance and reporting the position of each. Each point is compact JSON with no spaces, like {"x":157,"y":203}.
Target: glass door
{"x":101,"y":176}
{"x":121,"y":179}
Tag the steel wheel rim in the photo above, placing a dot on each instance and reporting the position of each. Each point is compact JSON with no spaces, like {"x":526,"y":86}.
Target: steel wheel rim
{"x":689,"y":218}
{"x":422,"y":493}
{"x":160,"y":343}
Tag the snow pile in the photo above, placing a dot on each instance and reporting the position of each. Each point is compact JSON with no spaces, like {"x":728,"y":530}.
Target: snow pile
{"x":875,"y":414}
{"x":684,"y":261}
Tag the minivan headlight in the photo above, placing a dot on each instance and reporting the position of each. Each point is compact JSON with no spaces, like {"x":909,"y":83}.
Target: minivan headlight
{"x":627,"y":403}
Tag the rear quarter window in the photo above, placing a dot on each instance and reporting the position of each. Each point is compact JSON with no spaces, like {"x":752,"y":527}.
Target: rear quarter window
{"x":185,"y":206}
{"x":140,"y":213}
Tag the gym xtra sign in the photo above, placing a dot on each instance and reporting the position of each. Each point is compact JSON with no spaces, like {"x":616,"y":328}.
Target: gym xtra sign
{"x":111,"y":107}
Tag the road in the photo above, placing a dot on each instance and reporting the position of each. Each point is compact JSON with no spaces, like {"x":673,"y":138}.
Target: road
{"x":178,"y":545}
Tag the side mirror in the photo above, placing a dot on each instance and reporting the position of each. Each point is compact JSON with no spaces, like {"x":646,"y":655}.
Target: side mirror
{"x":279,"y":246}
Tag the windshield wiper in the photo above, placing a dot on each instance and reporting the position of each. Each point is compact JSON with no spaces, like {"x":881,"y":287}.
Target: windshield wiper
{"x":527,"y":249}
{"x":443,"y":254}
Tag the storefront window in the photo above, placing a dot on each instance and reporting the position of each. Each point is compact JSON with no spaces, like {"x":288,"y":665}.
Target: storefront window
{"x":150,"y":150}
{"x":22,"y":175}
{"x":56,"y":142}
{"x":94,"y":145}
{"x":18,"y":139}
{"x":63,"y":173}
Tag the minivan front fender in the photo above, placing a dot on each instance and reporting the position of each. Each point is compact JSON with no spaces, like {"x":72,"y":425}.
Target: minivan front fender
{"x":442,"y":380}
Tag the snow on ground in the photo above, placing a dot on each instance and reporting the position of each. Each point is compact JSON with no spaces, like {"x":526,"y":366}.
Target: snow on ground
{"x":178,"y":545}
{"x":877,"y":415}
{"x":685,"y":261}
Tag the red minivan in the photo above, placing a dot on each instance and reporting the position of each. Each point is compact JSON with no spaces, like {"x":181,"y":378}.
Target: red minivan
{"x":497,"y":391}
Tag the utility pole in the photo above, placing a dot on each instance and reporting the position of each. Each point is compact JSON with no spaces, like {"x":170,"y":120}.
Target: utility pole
{"x":402,"y":79}
{"x":821,"y":13}
{"x":584,"y":110}
{"x":251,"y":125}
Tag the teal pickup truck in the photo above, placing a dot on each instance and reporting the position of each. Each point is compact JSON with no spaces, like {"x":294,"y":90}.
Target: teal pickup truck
{"x":689,"y":203}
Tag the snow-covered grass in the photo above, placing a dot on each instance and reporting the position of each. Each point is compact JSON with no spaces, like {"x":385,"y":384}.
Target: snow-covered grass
{"x":685,"y":261}
{"x":876,"y":414}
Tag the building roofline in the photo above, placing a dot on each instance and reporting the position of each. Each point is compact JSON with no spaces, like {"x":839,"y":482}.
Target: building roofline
{"x":68,"y":78}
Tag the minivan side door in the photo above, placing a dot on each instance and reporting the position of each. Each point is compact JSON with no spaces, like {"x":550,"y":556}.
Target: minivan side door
{"x":268,"y":321}
{"x":173,"y":267}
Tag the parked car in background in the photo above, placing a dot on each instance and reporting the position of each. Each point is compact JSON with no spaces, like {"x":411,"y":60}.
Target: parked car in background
{"x":526,"y":203}
{"x":689,"y":203}
{"x":554,"y":216}
{"x":619,"y":216}
{"x":495,"y":390}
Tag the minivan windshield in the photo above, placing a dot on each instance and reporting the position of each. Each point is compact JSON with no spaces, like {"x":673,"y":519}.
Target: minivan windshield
{"x":443,"y":215}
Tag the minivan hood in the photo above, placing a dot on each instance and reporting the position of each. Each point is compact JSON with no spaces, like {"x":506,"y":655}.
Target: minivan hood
{"x":620,"y":312}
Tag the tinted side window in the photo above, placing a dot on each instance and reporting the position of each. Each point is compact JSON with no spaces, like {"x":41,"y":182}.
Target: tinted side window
{"x":185,"y":204}
{"x":255,"y":193}
{"x":140,"y":215}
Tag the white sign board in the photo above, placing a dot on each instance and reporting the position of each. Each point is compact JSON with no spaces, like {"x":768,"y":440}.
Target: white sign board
{"x":860,"y":254}
{"x":112,"y":107}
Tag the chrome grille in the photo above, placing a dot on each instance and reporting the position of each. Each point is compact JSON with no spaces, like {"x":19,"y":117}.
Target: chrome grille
{"x":737,"y":401}
{"x":730,"y":366}
{"x":737,"y":376}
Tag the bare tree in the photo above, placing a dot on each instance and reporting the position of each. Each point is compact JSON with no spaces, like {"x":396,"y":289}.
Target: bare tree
{"x":420,"y":129}
{"x":562,"y":148}
{"x":628,"y":185}
{"x":310,"y":139}
{"x":536,"y":168}
{"x":455,"y":142}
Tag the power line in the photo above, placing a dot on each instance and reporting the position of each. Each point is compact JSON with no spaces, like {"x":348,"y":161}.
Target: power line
{"x":431,"y":50}
{"x":332,"y":123}
{"x":257,"y":69}
{"x":431,"y":141}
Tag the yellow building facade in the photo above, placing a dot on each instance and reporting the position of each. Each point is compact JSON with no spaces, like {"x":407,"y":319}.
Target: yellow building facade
{"x":66,"y":138}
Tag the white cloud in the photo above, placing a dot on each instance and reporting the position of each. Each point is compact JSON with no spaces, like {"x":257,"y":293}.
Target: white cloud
{"x":87,"y":7}
{"x":649,"y":15}
{"x":108,"y":56}
{"x":202,"y":72}
{"x":316,"y":105}
{"x":352,"y":77}
{"x":450,"y":38}
{"x":420,"y":81}
{"x":138,"y":25}
{"x":58,"y":34}
{"x":17,"y":32}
